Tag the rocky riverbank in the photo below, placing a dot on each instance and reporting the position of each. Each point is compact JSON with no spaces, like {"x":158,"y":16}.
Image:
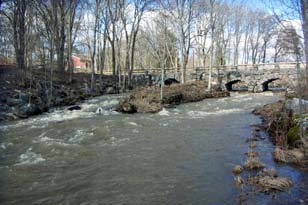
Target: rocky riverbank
{"x":148,"y":99}
{"x":281,"y":121}
{"x":26,"y":94}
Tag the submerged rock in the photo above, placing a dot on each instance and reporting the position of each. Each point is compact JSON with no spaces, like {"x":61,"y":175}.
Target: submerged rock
{"x":237,"y":169}
{"x":239,"y":182}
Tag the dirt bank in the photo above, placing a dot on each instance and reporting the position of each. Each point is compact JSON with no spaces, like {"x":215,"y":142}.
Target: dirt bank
{"x":148,"y":99}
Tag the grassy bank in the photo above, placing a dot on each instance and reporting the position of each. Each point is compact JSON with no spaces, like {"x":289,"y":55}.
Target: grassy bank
{"x":282,"y":125}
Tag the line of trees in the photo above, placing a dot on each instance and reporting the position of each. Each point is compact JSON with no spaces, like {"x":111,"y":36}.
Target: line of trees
{"x":122,"y":35}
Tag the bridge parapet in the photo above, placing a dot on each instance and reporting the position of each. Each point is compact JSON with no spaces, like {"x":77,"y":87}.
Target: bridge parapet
{"x":255,"y":77}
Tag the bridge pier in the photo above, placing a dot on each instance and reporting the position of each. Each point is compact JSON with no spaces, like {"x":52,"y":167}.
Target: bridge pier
{"x":255,"y":89}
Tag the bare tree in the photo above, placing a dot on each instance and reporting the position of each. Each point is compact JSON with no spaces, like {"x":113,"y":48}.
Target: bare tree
{"x":139,"y":7}
{"x":15,"y":12}
{"x":113,"y":7}
{"x":183,"y":13}
{"x":71,"y":25}
{"x":304,"y":15}
{"x":97,"y":13}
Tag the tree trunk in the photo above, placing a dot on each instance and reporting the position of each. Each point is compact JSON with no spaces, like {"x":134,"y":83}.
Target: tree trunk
{"x":102,"y":61}
{"x":61,"y":46}
{"x":19,"y":29}
{"x":304,"y":8}
{"x":132,"y":60}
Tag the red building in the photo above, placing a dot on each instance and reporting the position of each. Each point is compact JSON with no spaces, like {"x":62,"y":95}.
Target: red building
{"x":81,"y":63}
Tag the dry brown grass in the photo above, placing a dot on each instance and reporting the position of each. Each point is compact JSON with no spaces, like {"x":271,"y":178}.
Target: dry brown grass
{"x":269,"y":181}
{"x":253,"y":163}
{"x":252,"y":154}
{"x":148,"y":99}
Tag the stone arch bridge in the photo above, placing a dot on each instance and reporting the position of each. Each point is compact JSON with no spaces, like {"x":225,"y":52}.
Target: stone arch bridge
{"x":254,"y":78}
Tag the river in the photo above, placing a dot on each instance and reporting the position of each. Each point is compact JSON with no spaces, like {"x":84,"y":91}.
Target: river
{"x":183,"y":155}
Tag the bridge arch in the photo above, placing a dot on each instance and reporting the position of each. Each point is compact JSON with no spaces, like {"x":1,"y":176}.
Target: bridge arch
{"x":202,"y":76}
{"x":265,"y":83}
{"x":229,"y":85}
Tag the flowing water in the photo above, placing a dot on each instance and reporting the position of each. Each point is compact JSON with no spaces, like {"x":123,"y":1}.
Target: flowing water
{"x":97,"y":156}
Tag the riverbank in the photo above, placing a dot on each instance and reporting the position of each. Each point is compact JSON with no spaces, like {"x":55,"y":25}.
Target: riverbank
{"x":148,"y":99}
{"x":26,"y":94}
{"x":281,"y":121}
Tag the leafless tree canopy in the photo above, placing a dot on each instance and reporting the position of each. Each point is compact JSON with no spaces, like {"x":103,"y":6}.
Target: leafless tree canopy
{"x":120,"y":36}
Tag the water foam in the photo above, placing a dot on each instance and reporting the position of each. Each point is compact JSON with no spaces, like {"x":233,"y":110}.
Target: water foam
{"x":79,"y":136}
{"x":201,"y":114}
{"x":132,"y":123}
{"x":30,"y":157}
{"x":164,"y":112}
{"x":113,"y":141}
{"x":58,"y":115}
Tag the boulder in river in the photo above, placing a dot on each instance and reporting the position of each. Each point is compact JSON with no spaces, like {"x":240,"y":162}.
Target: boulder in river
{"x":74,"y":107}
{"x":128,"y":107}
{"x":237,"y":169}
{"x":28,"y":110}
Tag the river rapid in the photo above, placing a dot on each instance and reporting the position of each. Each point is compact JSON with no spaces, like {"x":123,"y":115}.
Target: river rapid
{"x":183,"y":155}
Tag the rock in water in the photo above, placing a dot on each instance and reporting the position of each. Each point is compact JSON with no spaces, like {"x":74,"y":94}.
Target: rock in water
{"x":28,"y":110}
{"x":99,"y":110}
{"x":237,"y":169}
{"x":75,"y":107}
{"x":239,"y":182}
{"x":128,"y":108}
